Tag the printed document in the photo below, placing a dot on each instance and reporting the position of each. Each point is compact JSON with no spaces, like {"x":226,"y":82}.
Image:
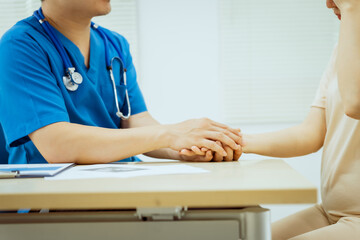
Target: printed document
{"x":124,"y":171}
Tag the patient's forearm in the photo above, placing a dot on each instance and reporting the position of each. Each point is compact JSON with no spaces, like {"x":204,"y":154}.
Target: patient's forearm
{"x":299,"y":140}
{"x":285,"y":143}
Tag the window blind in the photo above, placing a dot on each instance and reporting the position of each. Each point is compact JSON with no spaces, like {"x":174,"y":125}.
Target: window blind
{"x":122,"y":19}
{"x":272,"y":55}
{"x":15,"y":10}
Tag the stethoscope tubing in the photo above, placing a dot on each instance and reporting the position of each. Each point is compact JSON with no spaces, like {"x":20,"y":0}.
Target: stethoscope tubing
{"x":69,"y":81}
{"x":59,"y":47}
{"x":119,"y":113}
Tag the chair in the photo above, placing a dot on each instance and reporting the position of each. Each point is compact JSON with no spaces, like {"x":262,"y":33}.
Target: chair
{"x":4,"y":155}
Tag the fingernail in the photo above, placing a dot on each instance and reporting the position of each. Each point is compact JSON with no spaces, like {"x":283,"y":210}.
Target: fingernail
{"x":224,"y":154}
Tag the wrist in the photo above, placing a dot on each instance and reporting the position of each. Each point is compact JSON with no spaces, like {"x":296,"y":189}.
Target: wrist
{"x":165,"y":137}
{"x":172,"y":154}
{"x":246,"y":143}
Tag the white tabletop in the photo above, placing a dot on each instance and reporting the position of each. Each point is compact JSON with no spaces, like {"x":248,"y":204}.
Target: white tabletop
{"x":228,"y":184}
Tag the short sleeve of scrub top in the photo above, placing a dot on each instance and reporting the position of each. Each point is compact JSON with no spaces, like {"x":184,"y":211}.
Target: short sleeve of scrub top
{"x":32,"y":94}
{"x":30,"y":97}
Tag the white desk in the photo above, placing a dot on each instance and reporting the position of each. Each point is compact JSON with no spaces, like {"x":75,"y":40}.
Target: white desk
{"x":232,"y":185}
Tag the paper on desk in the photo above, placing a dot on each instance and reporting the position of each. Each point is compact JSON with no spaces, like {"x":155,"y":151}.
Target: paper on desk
{"x":124,"y":171}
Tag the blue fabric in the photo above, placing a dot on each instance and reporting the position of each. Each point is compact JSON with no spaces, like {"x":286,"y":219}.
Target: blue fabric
{"x":32,"y":94}
{"x":25,"y":210}
{"x":4,"y":155}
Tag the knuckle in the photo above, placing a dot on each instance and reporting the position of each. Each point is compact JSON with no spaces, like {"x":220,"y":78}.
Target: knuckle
{"x":204,"y":123}
{"x":213,"y":145}
{"x":219,"y":135}
{"x":204,"y":120}
{"x":229,"y":142}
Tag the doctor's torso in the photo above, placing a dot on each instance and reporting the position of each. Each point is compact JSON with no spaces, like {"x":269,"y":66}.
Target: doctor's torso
{"x":33,"y":94}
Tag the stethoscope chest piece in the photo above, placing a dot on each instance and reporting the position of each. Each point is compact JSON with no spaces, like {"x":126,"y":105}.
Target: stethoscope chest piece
{"x":77,"y":78}
{"x":72,"y":80}
{"x":69,"y":84}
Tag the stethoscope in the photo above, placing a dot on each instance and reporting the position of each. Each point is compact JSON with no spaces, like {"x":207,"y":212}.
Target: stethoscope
{"x":73,"y":79}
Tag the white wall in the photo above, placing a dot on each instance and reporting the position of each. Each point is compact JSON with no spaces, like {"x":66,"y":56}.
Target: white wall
{"x":179,"y":71}
{"x":179,"y":58}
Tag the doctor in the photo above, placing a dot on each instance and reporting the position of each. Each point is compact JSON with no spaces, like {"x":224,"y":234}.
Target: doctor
{"x":68,"y":93}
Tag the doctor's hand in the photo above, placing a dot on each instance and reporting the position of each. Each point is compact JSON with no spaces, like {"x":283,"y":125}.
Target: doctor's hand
{"x":204,"y":152}
{"x":203,"y":133}
{"x":231,"y":155}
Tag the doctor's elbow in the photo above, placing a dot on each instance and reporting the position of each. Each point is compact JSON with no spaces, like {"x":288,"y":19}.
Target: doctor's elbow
{"x":55,"y":143}
{"x":55,"y":157}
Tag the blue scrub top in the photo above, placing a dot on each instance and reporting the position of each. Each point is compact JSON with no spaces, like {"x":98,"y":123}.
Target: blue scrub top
{"x":32,"y":93}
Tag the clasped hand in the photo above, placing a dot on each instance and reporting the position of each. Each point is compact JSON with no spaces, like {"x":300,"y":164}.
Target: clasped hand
{"x":206,"y":140}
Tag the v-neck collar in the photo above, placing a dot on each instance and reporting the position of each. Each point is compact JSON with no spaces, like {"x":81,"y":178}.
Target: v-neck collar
{"x":72,"y":48}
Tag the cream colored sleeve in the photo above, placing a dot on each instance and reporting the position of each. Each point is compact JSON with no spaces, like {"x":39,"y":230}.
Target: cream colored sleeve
{"x":321,"y":93}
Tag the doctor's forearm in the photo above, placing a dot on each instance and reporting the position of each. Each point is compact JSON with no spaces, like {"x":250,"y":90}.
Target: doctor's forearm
{"x":164,"y":153}
{"x":145,"y":119}
{"x":67,"y":142}
{"x":348,"y":61}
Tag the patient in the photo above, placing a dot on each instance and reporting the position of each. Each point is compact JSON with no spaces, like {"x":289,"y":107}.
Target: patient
{"x":332,"y":123}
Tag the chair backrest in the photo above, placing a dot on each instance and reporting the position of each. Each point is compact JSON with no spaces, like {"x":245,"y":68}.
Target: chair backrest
{"x":4,"y":155}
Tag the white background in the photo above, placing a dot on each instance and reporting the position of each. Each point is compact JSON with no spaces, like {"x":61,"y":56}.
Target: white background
{"x":179,"y":72}
{"x":178,"y":45}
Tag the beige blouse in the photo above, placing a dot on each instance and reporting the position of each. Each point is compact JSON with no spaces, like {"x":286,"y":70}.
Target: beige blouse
{"x":340,"y":167}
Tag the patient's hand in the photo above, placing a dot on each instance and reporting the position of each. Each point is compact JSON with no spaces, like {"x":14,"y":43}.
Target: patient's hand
{"x":206,"y":155}
{"x":196,"y":155}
